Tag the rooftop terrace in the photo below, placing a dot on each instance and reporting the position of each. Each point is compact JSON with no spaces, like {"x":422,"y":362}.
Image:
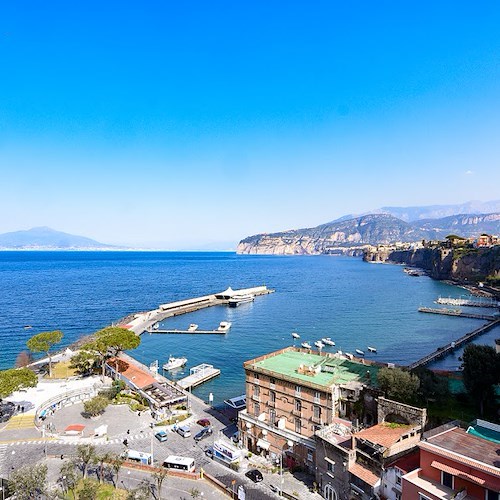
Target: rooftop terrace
{"x":327,"y":370}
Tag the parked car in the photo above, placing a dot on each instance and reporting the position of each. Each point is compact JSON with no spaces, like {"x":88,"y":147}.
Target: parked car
{"x":184,"y":431}
{"x":209,"y":451}
{"x":255,"y":475}
{"x":161,"y":436}
{"x":235,"y":437}
{"x":205,"y":432}
{"x":204,"y":422}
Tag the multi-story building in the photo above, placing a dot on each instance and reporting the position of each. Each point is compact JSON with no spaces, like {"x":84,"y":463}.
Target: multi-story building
{"x":457,"y":463}
{"x":292,"y":393}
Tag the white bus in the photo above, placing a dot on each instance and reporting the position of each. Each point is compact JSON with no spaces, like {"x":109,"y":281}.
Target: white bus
{"x":180,"y":463}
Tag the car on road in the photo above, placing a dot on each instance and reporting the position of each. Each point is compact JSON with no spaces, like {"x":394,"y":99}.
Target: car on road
{"x":205,"y":432}
{"x":204,"y":422}
{"x":162,"y":436}
{"x":184,"y":431}
{"x":255,"y":475}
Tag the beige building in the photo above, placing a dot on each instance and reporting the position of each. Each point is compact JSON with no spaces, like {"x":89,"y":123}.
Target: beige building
{"x":292,"y":393}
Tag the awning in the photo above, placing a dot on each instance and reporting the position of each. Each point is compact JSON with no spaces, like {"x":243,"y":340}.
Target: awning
{"x":462,"y":475}
{"x":263,"y":444}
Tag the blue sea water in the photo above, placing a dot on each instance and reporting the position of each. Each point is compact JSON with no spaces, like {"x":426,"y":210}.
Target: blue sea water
{"x":355,"y":303}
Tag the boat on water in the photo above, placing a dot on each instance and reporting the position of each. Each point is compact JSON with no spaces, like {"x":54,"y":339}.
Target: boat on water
{"x":156,"y":326}
{"x":360,"y":352}
{"x":238,"y":403}
{"x":174,"y":363}
{"x":306,"y":345}
{"x":372,"y":349}
{"x":295,"y":335}
{"x":236,"y":300}
{"x":192,"y":327}
{"x":319,"y":344}
{"x":27,"y":327}
{"x":327,"y":341}
{"x":224,"y":326}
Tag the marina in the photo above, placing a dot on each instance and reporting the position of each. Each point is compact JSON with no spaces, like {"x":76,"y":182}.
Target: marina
{"x":198,"y":375}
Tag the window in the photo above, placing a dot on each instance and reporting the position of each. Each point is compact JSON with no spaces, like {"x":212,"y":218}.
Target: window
{"x":329,"y":493}
{"x":256,"y":390}
{"x":421,"y":496}
{"x":272,"y":417}
{"x":272,"y":396}
{"x":298,"y":425}
{"x":298,"y":405}
{"x":330,"y":467}
{"x":398,"y":476}
{"x":317,"y":397}
{"x":309,"y":456}
{"x":492,"y":495}
{"x":317,"y":412}
{"x":256,"y":377}
{"x":256,"y":409}
{"x":272,"y":383}
{"x":297,"y":390}
{"x":446,"y":479}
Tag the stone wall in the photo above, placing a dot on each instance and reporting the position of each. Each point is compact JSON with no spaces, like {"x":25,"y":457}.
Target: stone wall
{"x":406,"y":413}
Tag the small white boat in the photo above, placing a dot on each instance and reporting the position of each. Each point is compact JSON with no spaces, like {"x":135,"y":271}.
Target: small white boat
{"x":192,"y":327}
{"x":327,"y":341}
{"x":239,"y":402}
{"x":360,"y":352}
{"x":319,"y":344}
{"x":156,"y":326}
{"x":372,"y":349}
{"x":295,"y":335}
{"x":174,"y":363}
{"x":224,"y":326}
{"x":306,"y":345}
{"x":236,"y":300}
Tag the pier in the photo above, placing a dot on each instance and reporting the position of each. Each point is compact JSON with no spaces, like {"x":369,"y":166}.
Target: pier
{"x":469,"y":302}
{"x":191,"y":332}
{"x":458,"y":313}
{"x":198,"y":375}
{"x":447,"y":349}
{"x":144,"y":321}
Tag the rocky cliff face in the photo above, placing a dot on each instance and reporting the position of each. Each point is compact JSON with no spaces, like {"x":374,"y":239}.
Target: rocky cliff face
{"x":462,"y":265}
{"x":343,"y":236}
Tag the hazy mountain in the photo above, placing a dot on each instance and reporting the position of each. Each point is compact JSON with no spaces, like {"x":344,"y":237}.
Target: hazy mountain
{"x":47,"y":238}
{"x":370,"y":229}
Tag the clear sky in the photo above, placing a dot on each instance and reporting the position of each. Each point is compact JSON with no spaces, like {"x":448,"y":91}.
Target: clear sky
{"x":180,"y":124}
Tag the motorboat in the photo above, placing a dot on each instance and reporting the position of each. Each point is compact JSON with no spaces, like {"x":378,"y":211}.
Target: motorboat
{"x":360,"y":352}
{"x":319,"y":344}
{"x":27,"y":327}
{"x":238,"y":403}
{"x":306,"y":345}
{"x":156,"y":326}
{"x":192,"y":327}
{"x":327,"y":341}
{"x":295,"y":335}
{"x":236,"y":300}
{"x":174,"y":363}
{"x":224,"y":326}
{"x":372,"y":349}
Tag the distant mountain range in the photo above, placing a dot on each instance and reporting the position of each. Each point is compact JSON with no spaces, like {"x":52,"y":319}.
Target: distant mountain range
{"x":373,"y":229}
{"x":45,"y":238}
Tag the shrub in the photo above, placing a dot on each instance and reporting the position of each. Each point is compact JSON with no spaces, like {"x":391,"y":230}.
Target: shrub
{"x":95,"y":406}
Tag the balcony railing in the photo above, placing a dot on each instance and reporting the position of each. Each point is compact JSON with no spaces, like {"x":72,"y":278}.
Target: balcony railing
{"x":297,"y":413}
{"x":256,"y":397}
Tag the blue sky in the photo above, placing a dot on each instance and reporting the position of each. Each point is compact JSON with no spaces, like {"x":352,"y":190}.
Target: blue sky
{"x":184,"y":124}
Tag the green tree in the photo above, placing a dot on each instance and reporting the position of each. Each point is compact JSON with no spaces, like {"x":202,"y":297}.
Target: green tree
{"x":83,"y":362}
{"x":43,"y":342}
{"x":110,"y":341}
{"x":14,"y":379}
{"x":88,"y":490}
{"x":116,"y":465}
{"x":28,"y":482}
{"x":102,"y":459}
{"x":398,"y":384}
{"x":159,"y":478}
{"x":194,"y":492}
{"x":481,"y":371}
{"x":96,"y":405}
{"x":85,"y":454}
{"x":68,"y":477}
{"x":142,"y":492}
{"x":432,"y":386}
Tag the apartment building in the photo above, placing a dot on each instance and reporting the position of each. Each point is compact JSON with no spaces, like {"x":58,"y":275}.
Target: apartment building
{"x":292,"y":393}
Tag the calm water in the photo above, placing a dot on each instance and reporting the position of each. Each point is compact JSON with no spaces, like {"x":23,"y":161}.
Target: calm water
{"x":355,"y":303}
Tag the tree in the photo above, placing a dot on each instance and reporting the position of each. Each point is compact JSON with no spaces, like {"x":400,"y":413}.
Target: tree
{"x":481,"y":371}
{"x":89,"y":490}
{"x":14,"y":379}
{"x":96,"y":405}
{"x":432,"y":386}
{"x":142,"y":492}
{"x":28,"y":482}
{"x":102,"y":460}
{"x":83,"y":362}
{"x":116,"y":465}
{"x":68,"y":477}
{"x":398,"y":384}
{"x":160,"y":477}
{"x":110,"y":341}
{"x":85,"y":454}
{"x":24,"y":358}
{"x":194,"y":492}
{"x":43,"y":342}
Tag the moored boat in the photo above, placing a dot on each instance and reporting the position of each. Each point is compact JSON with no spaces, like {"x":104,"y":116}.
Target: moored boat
{"x":306,"y":345}
{"x":372,"y":349}
{"x":319,"y":344}
{"x":239,"y":402}
{"x":224,"y":326}
{"x":295,"y":335}
{"x":192,"y":327}
{"x":327,"y":341}
{"x":174,"y":363}
{"x":236,"y":300}
{"x":360,"y":352}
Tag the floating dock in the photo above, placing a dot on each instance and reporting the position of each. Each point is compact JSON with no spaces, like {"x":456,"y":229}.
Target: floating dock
{"x":457,"y":312}
{"x":198,"y":375}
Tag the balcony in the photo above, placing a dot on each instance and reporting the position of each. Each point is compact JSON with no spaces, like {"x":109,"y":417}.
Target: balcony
{"x":256,"y":397}
{"x":297,"y":413}
{"x":316,"y":420}
{"x":272,"y":404}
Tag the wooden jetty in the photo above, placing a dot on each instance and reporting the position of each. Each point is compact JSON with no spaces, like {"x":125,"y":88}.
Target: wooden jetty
{"x":194,"y":332}
{"x":198,"y":375}
{"x":457,"y":312}
{"x":447,"y":349}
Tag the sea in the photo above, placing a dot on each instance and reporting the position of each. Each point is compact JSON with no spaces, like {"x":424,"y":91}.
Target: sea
{"x":356,"y":304}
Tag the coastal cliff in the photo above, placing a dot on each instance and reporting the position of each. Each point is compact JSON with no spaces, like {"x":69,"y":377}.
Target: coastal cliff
{"x":456,"y":264}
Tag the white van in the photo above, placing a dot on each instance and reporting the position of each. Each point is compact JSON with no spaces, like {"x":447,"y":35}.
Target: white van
{"x":184,"y":431}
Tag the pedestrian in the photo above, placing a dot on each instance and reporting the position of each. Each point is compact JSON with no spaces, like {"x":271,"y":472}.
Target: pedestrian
{"x":128,"y":431}
{"x":22,"y":409}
